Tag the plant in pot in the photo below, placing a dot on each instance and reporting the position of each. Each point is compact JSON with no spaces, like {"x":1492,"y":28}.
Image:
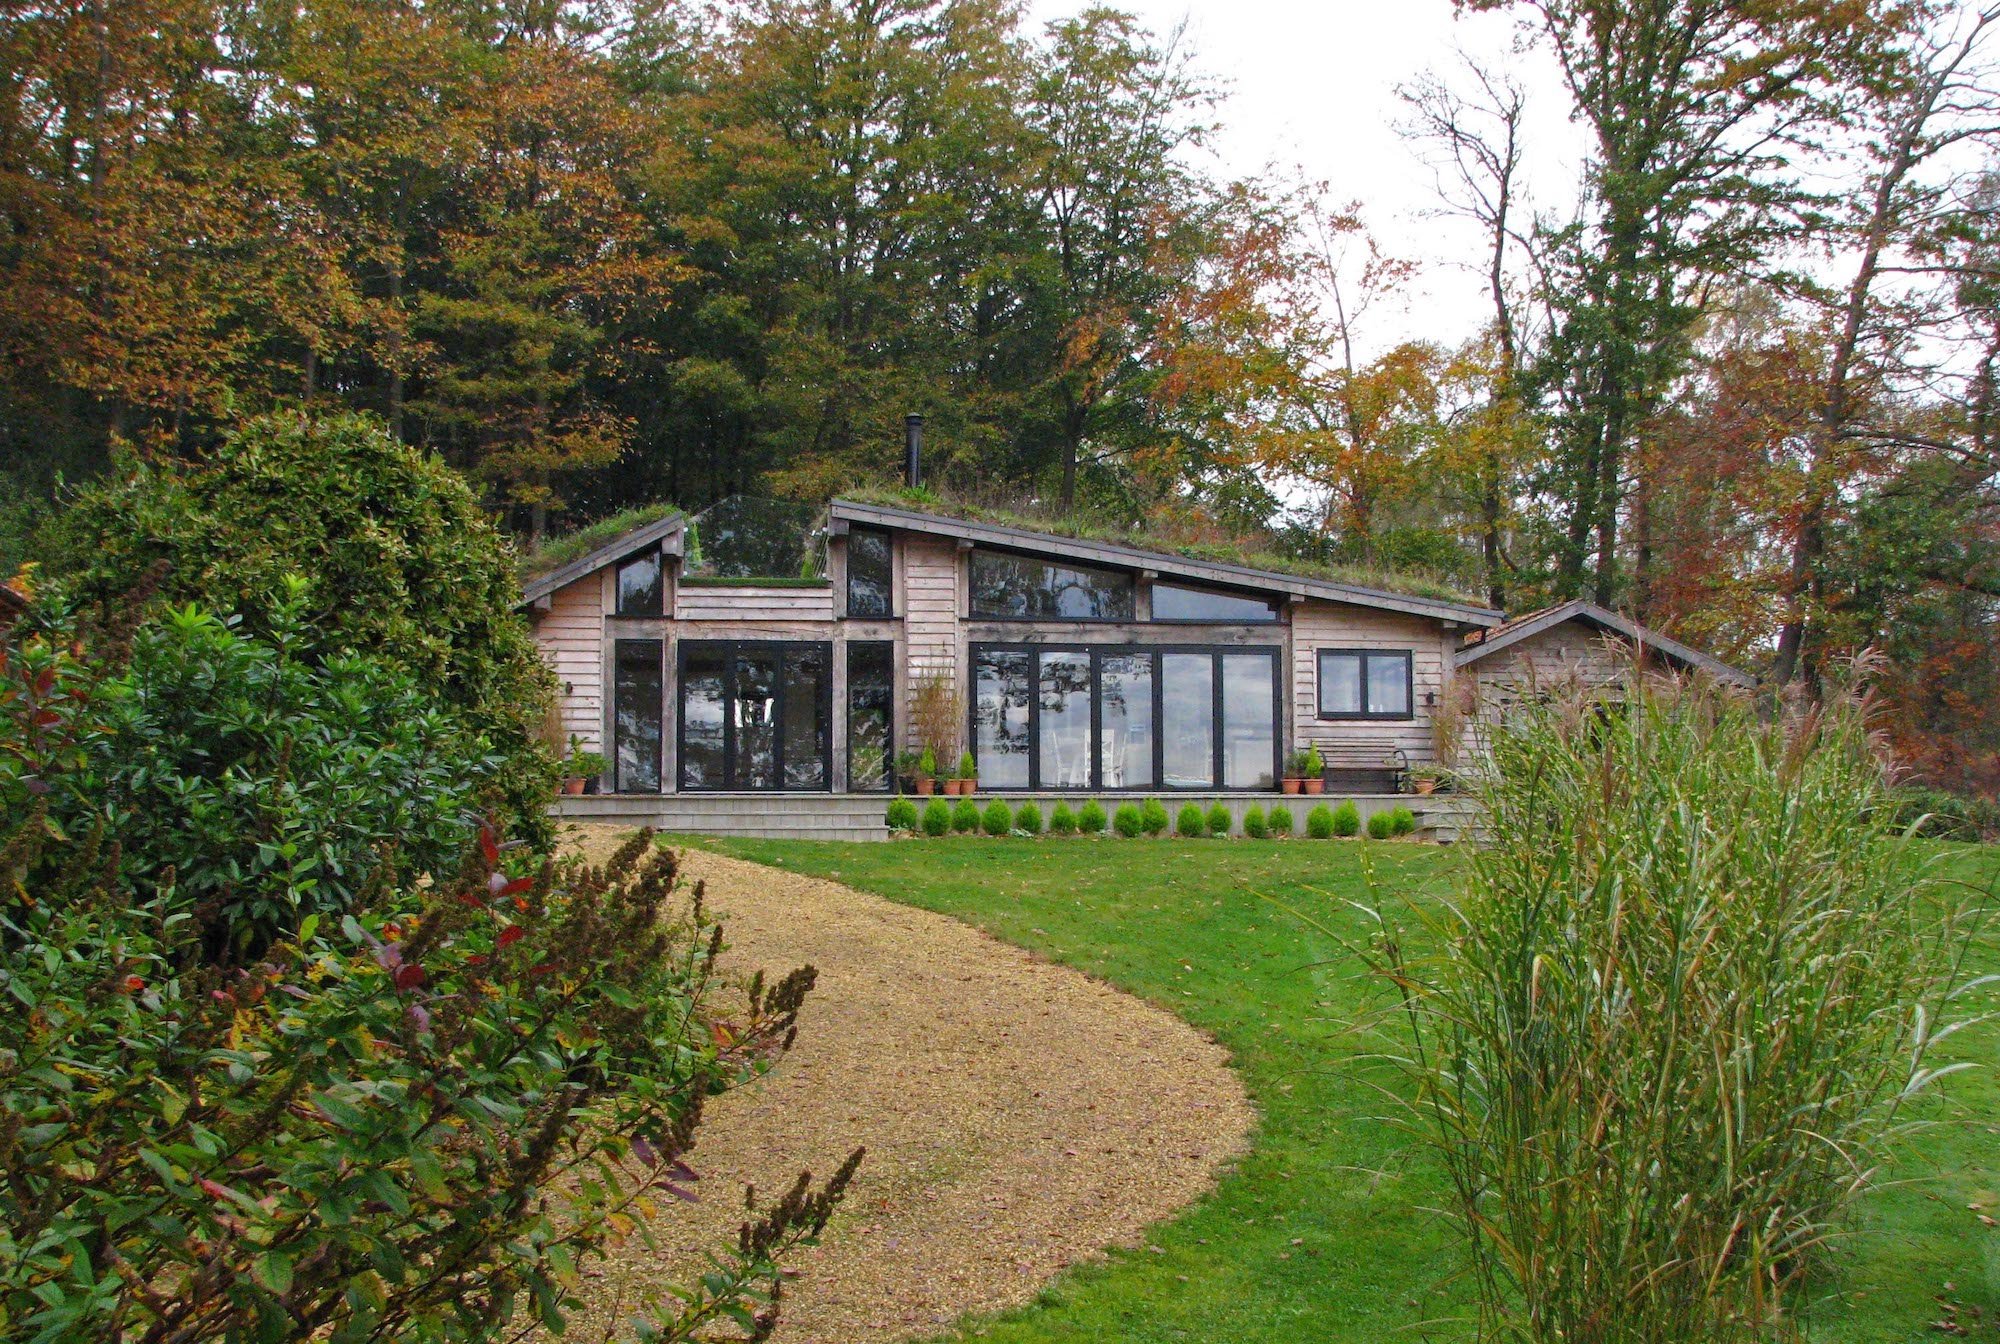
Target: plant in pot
{"x":1424,"y":779}
{"x":968,"y":773}
{"x":906,"y":771}
{"x":1315,"y":775}
{"x":1295,"y":771}
{"x":926,"y":773}
{"x":580,"y":767}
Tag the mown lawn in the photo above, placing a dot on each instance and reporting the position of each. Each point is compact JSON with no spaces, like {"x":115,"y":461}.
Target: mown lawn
{"x":1321,"y":1233}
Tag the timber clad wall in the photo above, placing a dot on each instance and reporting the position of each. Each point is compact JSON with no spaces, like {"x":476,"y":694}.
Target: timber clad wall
{"x":748,"y":602}
{"x":930,"y":605}
{"x":1320,"y":625}
{"x":1556,"y":654}
{"x":572,"y":638}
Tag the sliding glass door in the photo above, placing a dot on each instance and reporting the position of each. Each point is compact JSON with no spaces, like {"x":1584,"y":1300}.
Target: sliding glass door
{"x":1125,"y":718}
{"x":638,"y":707}
{"x":755,"y":716}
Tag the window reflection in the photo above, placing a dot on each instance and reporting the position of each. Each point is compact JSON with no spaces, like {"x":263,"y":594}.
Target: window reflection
{"x":639,"y":586}
{"x":1249,"y":722}
{"x":871,"y":709}
{"x":1125,"y":720}
{"x":1187,"y":720}
{"x":868,"y":573}
{"x":638,"y":704}
{"x":1171,"y":602}
{"x":1002,"y":691}
{"x":1022,"y":587}
{"x":1064,"y":739}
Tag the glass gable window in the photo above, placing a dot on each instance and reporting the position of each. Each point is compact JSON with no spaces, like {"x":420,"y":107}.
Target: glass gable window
{"x":1171,"y":602}
{"x":638,"y":705}
{"x":1002,"y":693}
{"x":871,"y":710}
{"x":640,"y":589}
{"x":1364,"y":684}
{"x":1024,"y":588}
{"x":869,"y":574}
{"x":1125,"y":718}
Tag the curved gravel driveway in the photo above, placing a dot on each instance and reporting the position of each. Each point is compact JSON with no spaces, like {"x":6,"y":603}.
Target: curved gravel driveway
{"x":1019,"y":1116}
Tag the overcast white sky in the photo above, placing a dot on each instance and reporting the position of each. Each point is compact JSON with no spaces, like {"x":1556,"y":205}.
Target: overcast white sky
{"x":1312,"y":85}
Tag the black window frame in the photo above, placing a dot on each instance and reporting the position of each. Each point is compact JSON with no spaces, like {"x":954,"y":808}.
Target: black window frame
{"x":1364,"y":714}
{"x":1098,"y":653}
{"x":1271,"y":604}
{"x":889,"y":585}
{"x":733,"y":649}
{"x":659,"y":647}
{"x":659,"y":608}
{"x":1081,"y":567}
{"x":889,"y":743}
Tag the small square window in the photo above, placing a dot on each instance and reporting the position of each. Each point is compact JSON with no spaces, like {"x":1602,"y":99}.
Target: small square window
{"x":1364,"y":684}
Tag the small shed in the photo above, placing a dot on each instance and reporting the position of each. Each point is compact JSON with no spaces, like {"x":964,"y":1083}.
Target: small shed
{"x":1578,"y":639}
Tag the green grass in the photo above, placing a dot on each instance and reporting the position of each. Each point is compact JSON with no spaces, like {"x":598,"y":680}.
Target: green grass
{"x":1321,"y":1233}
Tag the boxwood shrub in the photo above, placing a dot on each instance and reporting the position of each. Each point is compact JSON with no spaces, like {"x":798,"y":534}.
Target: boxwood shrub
{"x":1128,"y":821}
{"x":1029,"y":818}
{"x":1319,"y":822}
{"x":1062,"y":821}
{"x":902,"y":814}
{"x":937,"y":817}
{"x":965,"y":817}
{"x":1189,"y":821}
{"x":1219,"y":821}
{"x":1280,"y":820}
{"x":998,"y":818}
{"x":1153,"y":817}
{"x":1254,"y":824}
{"x":1347,"y":819}
{"x":1381,"y":826}
{"x":1090,"y":819}
{"x":1402,"y":821}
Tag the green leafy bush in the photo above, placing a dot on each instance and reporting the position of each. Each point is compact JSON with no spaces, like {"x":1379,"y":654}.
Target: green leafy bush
{"x":1402,"y":821}
{"x":1319,"y":822}
{"x":937,"y":817}
{"x":1347,"y":819}
{"x":902,"y":814}
{"x":1189,"y":821}
{"x":965,"y":817}
{"x":1380,"y":826}
{"x":1942,"y":815}
{"x":405,"y":567}
{"x":1219,"y":821}
{"x":1254,"y":824}
{"x":1062,"y":821}
{"x":373,"y":1130}
{"x":1280,"y":820}
{"x":998,"y":818}
{"x":1029,"y":818}
{"x":1677,"y":1006}
{"x":1128,"y":821}
{"x":1090,"y":819}
{"x":1153,"y":817}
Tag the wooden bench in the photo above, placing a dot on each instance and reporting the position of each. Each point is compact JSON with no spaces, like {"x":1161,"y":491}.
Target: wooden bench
{"x":1362,"y":767}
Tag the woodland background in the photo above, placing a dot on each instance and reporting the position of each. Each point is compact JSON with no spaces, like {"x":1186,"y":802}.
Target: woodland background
{"x":604,"y":254}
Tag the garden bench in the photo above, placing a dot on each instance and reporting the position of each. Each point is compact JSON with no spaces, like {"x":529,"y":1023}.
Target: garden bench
{"x":1362,"y":767}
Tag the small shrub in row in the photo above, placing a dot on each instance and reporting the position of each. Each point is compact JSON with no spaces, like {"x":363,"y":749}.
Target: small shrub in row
{"x":1028,"y":819}
{"x":998,"y":819}
{"x":1090,"y":819}
{"x":1127,"y":821}
{"x":940,"y":817}
{"x":1219,"y":820}
{"x":937,"y":817}
{"x":965,"y":817}
{"x":1280,"y":820}
{"x":1190,"y":822}
{"x":902,"y":814}
{"x":1254,"y":824}
{"x":1319,"y":823}
{"x":1062,"y":821}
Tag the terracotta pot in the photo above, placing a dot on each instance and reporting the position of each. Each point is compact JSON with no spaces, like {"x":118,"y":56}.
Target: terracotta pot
{"x":968,"y":786}
{"x":925,"y":787}
{"x":1424,"y":786}
{"x":950,"y":787}
{"x":1294,"y":785}
{"x":573,"y":785}
{"x":1315,"y":786}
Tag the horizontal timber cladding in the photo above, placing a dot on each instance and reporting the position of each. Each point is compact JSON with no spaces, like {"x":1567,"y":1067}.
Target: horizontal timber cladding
{"x":571,"y":636}
{"x":751,"y":602}
{"x":931,"y":584}
{"x":1320,"y":625}
{"x":1572,"y":649}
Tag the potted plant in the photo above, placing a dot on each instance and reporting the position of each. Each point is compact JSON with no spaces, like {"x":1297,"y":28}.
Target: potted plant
{"x":1315,"y":774}
{"x":926,"y":773}
{"x":580,"y":766}
{"x":906,"y":771}
{"x":1424,"y":778}
{"x":1295,"y":771}
{"x":968,"y":773}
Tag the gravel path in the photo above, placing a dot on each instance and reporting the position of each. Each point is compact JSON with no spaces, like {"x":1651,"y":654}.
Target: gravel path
{"x":1019,"y":1116}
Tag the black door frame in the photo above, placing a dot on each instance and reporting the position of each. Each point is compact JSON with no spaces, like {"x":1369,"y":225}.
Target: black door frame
{"x":1097,"y":654}
{"x":732,"y":650}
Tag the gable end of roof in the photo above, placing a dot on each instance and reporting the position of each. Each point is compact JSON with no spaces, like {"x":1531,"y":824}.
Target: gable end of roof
{"x":1483,"y":643}
{"x":665,"y":530}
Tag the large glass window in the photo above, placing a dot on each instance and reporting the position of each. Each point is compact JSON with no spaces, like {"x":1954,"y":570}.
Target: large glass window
{"x":638,"y":704}
{"x":1022,"y":587}
{"x":1249,"y":722}
{"x":871,"y":709}
{"x":1125,"y":720}
{"x":640,"y":588}
{"x":1364,"y":684}
{"x":1187,"y":720}
{"x":1171,"y":602}
{"x":1063,"y":739}
{"x":755,"y":716}
{"x":869,"y":574}
{"x":1002,"y":693}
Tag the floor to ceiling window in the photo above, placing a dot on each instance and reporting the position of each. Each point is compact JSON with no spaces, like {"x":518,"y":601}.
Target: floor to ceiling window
{"x":638,"y":706}
{"x":1125,"y":718}
{"x":871,"y":713}
{"x":755,"y":715}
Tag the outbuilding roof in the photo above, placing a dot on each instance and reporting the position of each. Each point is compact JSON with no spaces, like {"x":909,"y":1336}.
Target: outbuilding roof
{"x":849,"y":511}
{"x":1483,"y":643}
{"x":666,"y":530}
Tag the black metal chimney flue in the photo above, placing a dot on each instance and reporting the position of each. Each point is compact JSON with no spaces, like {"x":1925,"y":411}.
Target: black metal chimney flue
{"x":913,"y":451}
